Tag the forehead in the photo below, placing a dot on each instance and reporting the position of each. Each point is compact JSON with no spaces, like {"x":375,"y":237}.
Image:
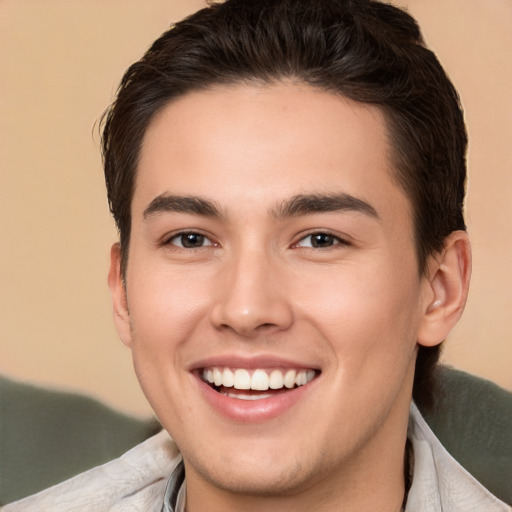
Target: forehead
{"x":264,"y":143}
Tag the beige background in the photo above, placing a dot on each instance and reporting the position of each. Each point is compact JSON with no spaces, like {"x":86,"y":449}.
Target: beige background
{"x":60,"y":62}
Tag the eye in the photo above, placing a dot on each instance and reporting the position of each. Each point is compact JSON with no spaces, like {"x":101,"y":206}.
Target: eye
{"x":190,"y":240}
{"x":320,"y":241}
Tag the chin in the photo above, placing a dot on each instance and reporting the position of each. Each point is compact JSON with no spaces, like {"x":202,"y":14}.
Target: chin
{"x":258,"y":468}
{"x":258,"y":479}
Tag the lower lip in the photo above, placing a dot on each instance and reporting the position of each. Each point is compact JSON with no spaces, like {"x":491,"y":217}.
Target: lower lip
{"x":252,"y":411}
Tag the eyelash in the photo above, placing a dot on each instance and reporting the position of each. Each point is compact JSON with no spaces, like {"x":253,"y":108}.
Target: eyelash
{"x":335,"y":240}
{"x":181,"y":236}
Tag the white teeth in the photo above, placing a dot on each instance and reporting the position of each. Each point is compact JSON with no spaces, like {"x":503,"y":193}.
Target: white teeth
{"x":289,"y":378}
{"x":228,"y":378}
{"x":242,"y":379}
{"x":276,"y":380}
{"x":217,"y":377}
{"x":301,"y":378}
{"x":242,"y":396}
{"x":260,"y":380}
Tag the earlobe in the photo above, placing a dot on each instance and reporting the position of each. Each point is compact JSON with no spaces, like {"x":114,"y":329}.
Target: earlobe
{"x":118,"y":293}
{"x":447,"y":286}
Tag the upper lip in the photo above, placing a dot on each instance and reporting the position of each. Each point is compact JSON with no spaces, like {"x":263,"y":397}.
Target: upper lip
{"x":250,"y":362}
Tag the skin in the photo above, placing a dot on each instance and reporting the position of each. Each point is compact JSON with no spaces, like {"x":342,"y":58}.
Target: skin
{"x":353,"y":309}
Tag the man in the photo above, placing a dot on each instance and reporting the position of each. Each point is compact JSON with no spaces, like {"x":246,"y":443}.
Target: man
{"x":287,"y":177}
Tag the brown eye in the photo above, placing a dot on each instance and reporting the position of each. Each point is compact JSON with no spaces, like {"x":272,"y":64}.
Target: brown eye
{"x":320,"y":240}
{"x":190,"y":240}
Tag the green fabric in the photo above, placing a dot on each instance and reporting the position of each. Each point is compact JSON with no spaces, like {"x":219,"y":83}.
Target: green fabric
{"x":472,"y":417}
{"x":48,"y":436}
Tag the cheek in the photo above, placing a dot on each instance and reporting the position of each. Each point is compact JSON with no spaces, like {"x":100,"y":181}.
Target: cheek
{"x":364,"y":314}
{"x":166,"y":311}
{"x":165,"y":307}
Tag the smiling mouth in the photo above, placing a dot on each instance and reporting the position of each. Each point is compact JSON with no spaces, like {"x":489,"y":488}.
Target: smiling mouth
{"x":255,"y":384}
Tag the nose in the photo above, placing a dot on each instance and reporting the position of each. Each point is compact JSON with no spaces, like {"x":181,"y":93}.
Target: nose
{"x":251,"y":296}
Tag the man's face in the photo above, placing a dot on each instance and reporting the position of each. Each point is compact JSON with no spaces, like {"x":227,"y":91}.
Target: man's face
{"x":269,"y":241}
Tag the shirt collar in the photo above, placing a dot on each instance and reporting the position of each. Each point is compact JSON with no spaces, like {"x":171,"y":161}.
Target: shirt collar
{"x":175,"y":493}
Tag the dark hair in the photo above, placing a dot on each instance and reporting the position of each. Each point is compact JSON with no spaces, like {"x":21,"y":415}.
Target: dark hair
{"x":365,"y":50}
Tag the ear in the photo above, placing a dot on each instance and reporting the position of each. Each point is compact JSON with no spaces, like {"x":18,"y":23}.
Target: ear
{"x":118,"y":293}
{"x":447,"y":285}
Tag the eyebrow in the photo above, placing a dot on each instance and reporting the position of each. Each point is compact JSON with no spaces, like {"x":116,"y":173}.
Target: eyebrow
{"x":304,"y":204}
{"x":165,"y":203}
